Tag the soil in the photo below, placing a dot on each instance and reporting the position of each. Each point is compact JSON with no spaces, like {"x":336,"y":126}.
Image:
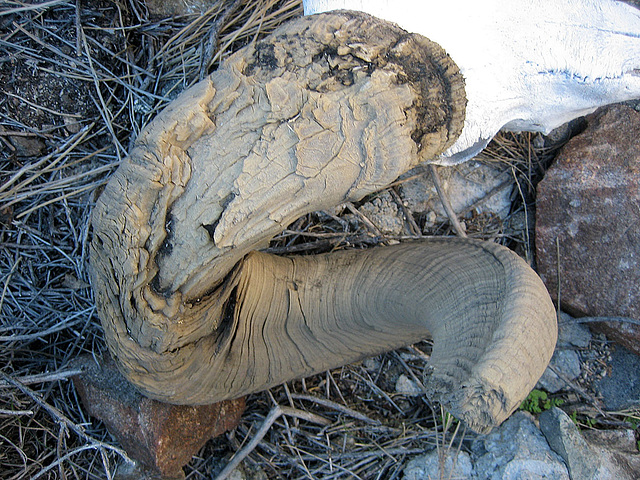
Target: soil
{"x":44,"y":92}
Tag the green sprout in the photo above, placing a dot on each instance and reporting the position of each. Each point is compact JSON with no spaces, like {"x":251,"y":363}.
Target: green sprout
{"x":538,"y":401}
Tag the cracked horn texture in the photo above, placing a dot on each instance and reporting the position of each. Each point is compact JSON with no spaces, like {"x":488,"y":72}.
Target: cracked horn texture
{"x":327,"y":109}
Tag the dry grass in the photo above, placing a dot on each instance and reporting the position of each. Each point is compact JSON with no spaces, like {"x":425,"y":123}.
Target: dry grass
{"x":80,"y":80}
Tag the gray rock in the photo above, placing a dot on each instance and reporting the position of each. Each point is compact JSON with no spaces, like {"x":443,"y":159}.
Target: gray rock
{"x":406,"y":386}
{"x":621,"y":387}
{"x":565,"y":439}
{"x":565,"y":360}
{"x":608,"y":455}
{"x":384,"y":214}
{"x":571,"y":333}
{"x":517,"y":450}
{"x":466,"y":184}
{"x":567,"y":363}
{"x":454,"y":465}
{"x":618,"y":452}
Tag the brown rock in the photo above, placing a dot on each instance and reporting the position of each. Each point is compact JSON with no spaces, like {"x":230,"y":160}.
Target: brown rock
{"x":162,"y":437}
{"x":588,"y":216}
{"x":625,"y":333}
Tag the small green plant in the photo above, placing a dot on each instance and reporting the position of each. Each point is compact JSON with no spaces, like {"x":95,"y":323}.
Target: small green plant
{"x":574,"y":417}
{"x":539,"y":401}
{"x":634,"y":421}
{"x":584,"y":421}
{"x":447,"y":420}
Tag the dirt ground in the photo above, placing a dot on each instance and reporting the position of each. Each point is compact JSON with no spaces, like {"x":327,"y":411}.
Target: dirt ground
{"x":79,"y":81}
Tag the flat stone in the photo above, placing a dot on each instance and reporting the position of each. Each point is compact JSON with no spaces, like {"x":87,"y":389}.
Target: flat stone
{"x":161,"y":437}
{"x":620,"y":388}
{"x":588,"y":216}
{"x":27,"y":146}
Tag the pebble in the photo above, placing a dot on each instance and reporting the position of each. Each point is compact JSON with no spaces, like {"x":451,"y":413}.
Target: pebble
{"x":383,"y":212}
{"x":572,"y":333}
{"x":406,"y":386}
{"x":27,"y":146}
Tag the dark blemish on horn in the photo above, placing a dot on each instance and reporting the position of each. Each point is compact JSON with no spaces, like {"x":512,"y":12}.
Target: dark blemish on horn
{"x":211,"y":227}
{"x":226,"y":326}
{"x":264,"y":57}
{"x":158,"y":289}
{"x":167,"y":246}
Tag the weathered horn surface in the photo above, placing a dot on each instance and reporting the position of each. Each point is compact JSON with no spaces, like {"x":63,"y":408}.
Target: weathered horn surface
{"x":325,"y":110}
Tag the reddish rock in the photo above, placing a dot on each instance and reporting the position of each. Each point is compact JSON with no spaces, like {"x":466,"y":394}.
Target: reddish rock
{"x":625,"y":333}
{"x":588,"y":216}
{"x":162,"y":437}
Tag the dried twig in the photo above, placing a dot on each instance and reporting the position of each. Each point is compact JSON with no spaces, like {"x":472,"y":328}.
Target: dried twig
{"x":413,"y":226}
{"x":44,"y":377}
{"x":453,"y":218}
{"x":335,"y":406}
{"x":363,"y":218}
{"x":211,"y":42}
{"x":60,"y":417}
{"x":271,"y":418}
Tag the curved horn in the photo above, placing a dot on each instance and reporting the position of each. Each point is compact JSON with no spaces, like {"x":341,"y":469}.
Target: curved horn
{"x":325,"y":110}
